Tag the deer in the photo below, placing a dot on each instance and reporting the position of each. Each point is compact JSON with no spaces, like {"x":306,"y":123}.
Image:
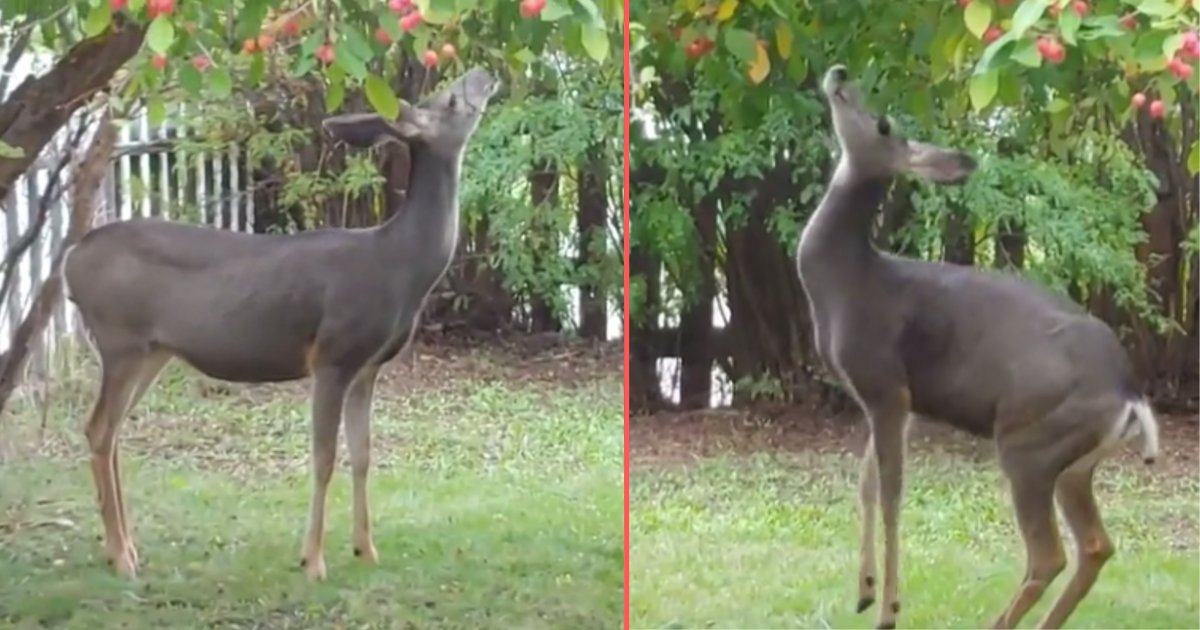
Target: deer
{"x":331,"y":305}
{"x":985,"y":352}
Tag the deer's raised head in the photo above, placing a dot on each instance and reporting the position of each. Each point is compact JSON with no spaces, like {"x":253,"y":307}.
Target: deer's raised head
{"x":443,"y":121}
{"x":873,"y":148}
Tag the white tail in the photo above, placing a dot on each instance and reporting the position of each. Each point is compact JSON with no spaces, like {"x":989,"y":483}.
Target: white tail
{"x":1149,"y":429}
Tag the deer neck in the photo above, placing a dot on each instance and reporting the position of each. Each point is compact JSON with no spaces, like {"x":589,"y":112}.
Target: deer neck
{"x":427,"y":220}
{"x":838,"y":236}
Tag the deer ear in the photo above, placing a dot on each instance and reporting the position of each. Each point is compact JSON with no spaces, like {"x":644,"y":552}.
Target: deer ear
{"x":937,"y":164}
{"x":412,"y":122}
{"x":362,"y":130}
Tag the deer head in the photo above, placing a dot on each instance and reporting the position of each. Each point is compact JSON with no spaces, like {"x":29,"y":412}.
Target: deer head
{"x":872,"y":147}
{"x":442,"y":121}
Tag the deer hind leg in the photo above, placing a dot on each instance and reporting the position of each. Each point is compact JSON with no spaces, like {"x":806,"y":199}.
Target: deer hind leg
{"x":1034,"y":504}
{"x":1093,"y":547}
{"x":119,"y":382}
{"x":868,"y":496}
{"x":357,"y":418}
{"x":328,"y":397}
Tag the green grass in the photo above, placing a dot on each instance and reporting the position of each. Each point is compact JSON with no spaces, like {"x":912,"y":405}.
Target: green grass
{"x":496,"y":504}
{"x":771,"y":541}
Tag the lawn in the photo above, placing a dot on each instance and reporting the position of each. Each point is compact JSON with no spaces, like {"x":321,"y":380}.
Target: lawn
{"x":751,"y":534}
{"x":496,"y":501}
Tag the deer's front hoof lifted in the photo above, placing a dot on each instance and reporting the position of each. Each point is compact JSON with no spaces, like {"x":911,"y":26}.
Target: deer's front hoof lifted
{"x":314,"y":568}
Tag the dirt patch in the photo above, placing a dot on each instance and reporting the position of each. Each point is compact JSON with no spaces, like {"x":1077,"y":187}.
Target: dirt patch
{"x":667,"y":439}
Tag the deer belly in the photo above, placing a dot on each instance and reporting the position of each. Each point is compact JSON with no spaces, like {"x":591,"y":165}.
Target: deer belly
{"x":249,"y":362}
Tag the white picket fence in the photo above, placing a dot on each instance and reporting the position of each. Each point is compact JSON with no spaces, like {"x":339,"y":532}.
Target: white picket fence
{"x":148,"y":176}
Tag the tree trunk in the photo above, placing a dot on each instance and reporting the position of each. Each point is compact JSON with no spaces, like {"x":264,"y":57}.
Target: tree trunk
{"x":543,"y":191}
{"x":592,"y":208}
{"x":42,"y":104}
{"x":645,"y":394}
{"x":958,"y":237}
{"x":89,"y":174}
{"x":696,"y":320}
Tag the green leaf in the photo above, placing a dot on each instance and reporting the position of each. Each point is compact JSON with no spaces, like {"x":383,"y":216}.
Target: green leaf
{"x":345,"y":57}
{"x":1193,"y":162}
{"x":220,"y":82}
{"x":595,"y":42}
{"x":381,"y":97}
{"x":1026,"y":54}
{"x":1171,"y":44}
{"x":1068,"y":25}
{"x":989,"y":54}
{"x":556,"y":10}
{"x":190,"y":79}
{"x":741,"y":43}
{"x":358,"y":43}
{"x":258,"y":69}
{"x":335,"y":95}
{"x":983,"y":89}
{"x":1027,"y":15}
{"x":160,"y":35}
{"x":978,"y":15}
{"x":311,"y":43}
{"x":303,"y":66}
{"x":1159,"y":8}
{"x":156,"y":110}
{"x":1057,"y":105}
{"x":436,"y":11}
{"x":592,"y":10}
{"x":1150,"y":47}
{"x":9,"y":152}
{"x":97,"y":20}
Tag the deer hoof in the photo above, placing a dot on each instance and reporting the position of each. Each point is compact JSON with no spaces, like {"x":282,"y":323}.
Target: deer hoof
{"x":315,"y":570}
{"x":366,"y":553}
{"x":864,"y":603}
{"x":891,"y":625}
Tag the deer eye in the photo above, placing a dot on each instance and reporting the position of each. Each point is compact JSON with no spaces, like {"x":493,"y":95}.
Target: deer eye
{"x":453,"y":101}
{"x":885,"y":127}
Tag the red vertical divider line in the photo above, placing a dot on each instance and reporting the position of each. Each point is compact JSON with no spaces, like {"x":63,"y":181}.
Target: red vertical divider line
{"x":625,"y":330}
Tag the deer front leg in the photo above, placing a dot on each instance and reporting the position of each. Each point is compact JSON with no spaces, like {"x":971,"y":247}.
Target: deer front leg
{"x":868,"y":496}
{"x":889,"y":417}
{"x":358,"y":442}
{"x":151,"y":366}
{"x":118,"y":381}
{"x":329,"y":394}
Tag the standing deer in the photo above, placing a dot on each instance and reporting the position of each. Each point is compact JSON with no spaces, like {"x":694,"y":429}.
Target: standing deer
{"x":982,"y":351}
{"x":333,"y":304}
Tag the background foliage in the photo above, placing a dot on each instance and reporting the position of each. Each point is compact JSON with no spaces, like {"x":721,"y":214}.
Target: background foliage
{"x":539,"y":248}
{"x":1082,"y":114}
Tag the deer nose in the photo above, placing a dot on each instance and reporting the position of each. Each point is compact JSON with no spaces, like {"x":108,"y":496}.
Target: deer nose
{"x":839,"y":74}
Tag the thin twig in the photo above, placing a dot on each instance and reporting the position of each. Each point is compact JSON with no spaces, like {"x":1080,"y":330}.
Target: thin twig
{"x":49,"y":195}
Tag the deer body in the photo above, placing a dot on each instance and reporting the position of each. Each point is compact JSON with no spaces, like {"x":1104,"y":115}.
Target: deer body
{"x":202,"y":294}
{"x":985,"y":352}
{"x":333,"y":305}
{"x":965,"y":341}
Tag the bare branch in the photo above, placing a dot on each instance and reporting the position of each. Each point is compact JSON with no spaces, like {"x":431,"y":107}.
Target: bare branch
{"x":86,"y":184}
